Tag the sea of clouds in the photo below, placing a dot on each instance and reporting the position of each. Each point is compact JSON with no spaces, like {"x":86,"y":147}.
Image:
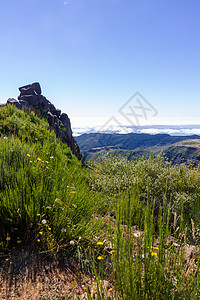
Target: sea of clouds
{"x":175,"y":130}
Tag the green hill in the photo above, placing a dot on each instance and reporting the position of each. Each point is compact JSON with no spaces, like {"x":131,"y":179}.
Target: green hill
{"x":187,"y":151}
{"x":131,"y":145}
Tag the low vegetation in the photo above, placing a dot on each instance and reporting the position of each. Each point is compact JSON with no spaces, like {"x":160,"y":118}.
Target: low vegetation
{"x":134,"y":225}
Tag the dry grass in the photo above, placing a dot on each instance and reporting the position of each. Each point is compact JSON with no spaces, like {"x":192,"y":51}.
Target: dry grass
{"x":32,"y":277}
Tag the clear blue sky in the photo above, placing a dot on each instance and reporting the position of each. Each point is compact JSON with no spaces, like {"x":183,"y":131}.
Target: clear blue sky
{"x":90,"y":56}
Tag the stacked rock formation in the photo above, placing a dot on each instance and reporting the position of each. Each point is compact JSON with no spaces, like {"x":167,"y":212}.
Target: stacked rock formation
{"x":31,"y":96}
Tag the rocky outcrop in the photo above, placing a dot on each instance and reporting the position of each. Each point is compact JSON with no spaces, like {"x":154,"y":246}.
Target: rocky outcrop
{"x":31,"y":96}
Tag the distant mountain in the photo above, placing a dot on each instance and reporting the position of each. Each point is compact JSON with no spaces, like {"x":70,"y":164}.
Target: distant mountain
{"x":187,"y":151}
{"x":132,"y":144}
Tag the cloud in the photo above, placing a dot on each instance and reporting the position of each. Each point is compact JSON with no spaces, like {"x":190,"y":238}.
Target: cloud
{"x":65,"y":3}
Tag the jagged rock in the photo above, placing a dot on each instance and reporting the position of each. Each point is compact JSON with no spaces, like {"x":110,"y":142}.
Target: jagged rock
{"x":14,"y":102}
{"x":30,"y":95}
{"x":31,"y":99}
{"x":50,"y":118}
{"x":58,"y":112}
{"x":52,"y":108}
{"x":30,"y":89}
{"x":24,"y":103}
{"x":37,"y":88}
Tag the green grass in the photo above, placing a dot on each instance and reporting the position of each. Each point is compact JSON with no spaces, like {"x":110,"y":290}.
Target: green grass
{"x":45,"y":200}
{"x":50,"y":204}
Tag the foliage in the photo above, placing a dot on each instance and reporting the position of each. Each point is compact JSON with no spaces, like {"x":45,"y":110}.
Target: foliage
{"x":45,"y":200}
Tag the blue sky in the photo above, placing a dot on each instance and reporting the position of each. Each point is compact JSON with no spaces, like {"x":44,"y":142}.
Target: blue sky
{"x":91,"y":56}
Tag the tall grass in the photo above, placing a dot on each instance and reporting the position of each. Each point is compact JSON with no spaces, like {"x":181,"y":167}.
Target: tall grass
{"x":45,"y":201}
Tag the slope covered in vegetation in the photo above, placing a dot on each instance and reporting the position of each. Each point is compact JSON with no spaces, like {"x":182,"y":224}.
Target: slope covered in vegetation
{"x":134,"y":224}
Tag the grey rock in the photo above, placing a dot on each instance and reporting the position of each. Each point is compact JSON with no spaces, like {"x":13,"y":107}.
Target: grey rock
{"x":58,"y":112}
{"x":31,"y":99}
{"x":26,"y":90}
{"x":24,"y":103}
{"x":64,"y":118}
{"x":37,"y":88}
{"x":30,"y":89}
{"x":52,"y":108}
{"x":14,"y":102}
{"x":50,"y":118}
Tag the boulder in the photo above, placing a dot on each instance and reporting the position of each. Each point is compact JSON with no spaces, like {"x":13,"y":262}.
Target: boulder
{"x":24,"y":103}
{"x":58,"y":112}
{"x":31,"y":99}
{"x":64,"y":118}
{"x":14,"y":102}
{"x":37,"y":88}
{"x":30,"y":89}
{"x":50,"y":118}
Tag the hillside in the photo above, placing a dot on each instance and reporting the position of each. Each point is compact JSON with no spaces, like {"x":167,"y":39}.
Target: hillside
{"x":131,"y":145}
{"x":187,"y":151}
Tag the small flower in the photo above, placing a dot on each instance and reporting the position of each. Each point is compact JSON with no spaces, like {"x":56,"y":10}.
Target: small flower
{"x":100,"y":243}
{"x":38,"y":240}
{"x":47,"y":167}
{"x":44,"y":221}
{"x":40,"y":232}
{"x":19,"y":241}
{"x":47,"y":161}
{"x":155,"y":248}
{"x":100,"y":257}
{"x":112,"y":251}
{"x":38,"y":159}
{"x":51,"y":157}
{"x":71,"y":243}
{"x":6,"y":259}
{"x":110,"y":290}
{"x":31,"y":161}
{"x":28,"y":155}
{"x":49,"y":228}
{"x":154,"y":253}
{"x":73,"y":192}
{"x":8,"y":238}
{"x":63,"y":230}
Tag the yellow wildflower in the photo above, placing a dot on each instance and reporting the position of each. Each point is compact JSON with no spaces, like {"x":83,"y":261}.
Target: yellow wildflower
{"x":31,"y":161}
{"x":38,"y":240}
{"x":100,"y":243}
{"x":100,"y":257}
{"x":38,"y":159}
{"x":19,"y":242}
{"x":155,"y":248}
{"x":112,"y":251}
{"x":154,"y":253}
{"x":110,"y":290}
{"x":8,"y":238}
{"x":40,"y":232}
{"x":47,"y":161}
{"x":28,"y":155}
{"x":49,"y":228}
